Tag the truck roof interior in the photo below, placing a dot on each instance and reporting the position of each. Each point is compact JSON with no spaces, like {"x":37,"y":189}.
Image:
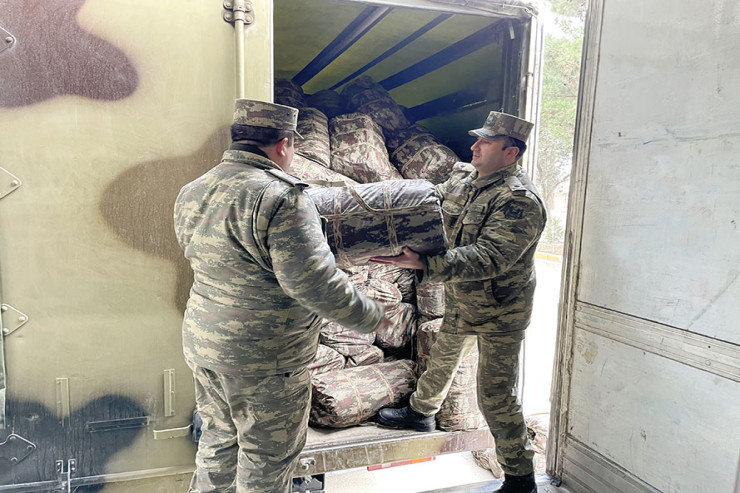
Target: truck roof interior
{"x":448,"y":69}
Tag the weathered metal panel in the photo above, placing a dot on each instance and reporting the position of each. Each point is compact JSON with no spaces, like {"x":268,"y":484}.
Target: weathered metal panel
{"x":662,"y":212}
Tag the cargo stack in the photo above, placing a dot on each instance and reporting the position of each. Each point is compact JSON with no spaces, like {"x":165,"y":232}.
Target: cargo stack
{"x":368,"y":164}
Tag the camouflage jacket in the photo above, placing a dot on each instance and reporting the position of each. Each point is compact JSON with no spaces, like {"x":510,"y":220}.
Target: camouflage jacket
{"x":263,"y":272}
{"x":493,"y":225}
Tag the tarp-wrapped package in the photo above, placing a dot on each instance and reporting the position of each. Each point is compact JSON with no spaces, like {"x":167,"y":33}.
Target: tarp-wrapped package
{"x":364,"y":95}
{"x":430,"y":300}
{"x":350,"y":396}
{"x":394,"y":140}
{"x":404,"y":279}
{"x":358,"y":149}
{"x":422,"y":156}
{"x":369,"y":356}
{"x":327,"y":359}
{"x":314,"y":128}
{"x":375,"y":219}
{"x":327,"y":101}
{"x":459,"y":410}
{"x":311,"y":171}
{"x":346,"y":342}
{"x":402,"y":328}
{"x":289,"y":93}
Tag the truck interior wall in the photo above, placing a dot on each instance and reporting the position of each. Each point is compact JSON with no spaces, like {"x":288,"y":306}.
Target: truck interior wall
{"x":650,"y":359}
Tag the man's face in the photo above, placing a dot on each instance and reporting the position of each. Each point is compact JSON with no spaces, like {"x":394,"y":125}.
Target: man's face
{"x":491,"y":155}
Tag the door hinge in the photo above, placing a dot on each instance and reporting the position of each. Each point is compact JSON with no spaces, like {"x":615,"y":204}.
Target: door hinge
{"x":65,"y":475}
{"x":12,"y":319}
{"x":7,"y":40}
{"x":169,"y":392}
{"x":9,"y":183}
{"x":16,"y":448}
{"x":238,"y":10}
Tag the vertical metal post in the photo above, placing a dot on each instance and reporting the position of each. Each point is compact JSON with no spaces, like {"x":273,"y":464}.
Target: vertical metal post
{"x":239,"y":13}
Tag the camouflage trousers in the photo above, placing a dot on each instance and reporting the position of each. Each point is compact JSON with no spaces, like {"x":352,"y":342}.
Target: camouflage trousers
{"x":253,"y":430}
{"x":498,"y":394}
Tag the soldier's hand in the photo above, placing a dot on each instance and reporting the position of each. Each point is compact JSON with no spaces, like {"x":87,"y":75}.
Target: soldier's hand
{"x":407,"y":259}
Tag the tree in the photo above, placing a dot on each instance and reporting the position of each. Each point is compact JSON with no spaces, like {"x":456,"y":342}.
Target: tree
{"x":561,"y":71}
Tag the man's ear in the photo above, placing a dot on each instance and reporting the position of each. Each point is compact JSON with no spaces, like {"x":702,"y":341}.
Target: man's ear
{"x":512,"y":152}
{"x":280,"y":147}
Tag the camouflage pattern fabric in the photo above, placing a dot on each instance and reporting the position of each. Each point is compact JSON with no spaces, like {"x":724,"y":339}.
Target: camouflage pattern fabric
{"x":348,"y":397}
{"x":345,"y":341}
{"x":358,"y":274}
{"x":263,"y":114}
{"x":358,"y":149}
{"x":378,"y":218}
{"x":538,"y":431}
{"x":311,"y":171}
{"x":289,"y":93}
{"x":327,"y":359}
{"x":382,"y":291}
{"x":370,"y":356}
{"x":401,"y":330}
{"x":493,"y":224}
{"x":459,"y":411}
{"x":430,"y":299}
{"x":258,"y":252}
{"x":327,"y":101}
{"x":422,"y":156}
{"x":314,"y":128}
{"x":403,"y":279}
{"x":364,"y":95}
{"x":255,"y":450}
{"x":394,"y":140}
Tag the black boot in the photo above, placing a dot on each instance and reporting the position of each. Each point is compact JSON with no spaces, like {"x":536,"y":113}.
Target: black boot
{"x":406,"y":417}
{"x":518,"y":484}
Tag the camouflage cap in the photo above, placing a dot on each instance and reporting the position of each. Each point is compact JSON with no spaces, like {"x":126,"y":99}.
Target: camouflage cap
{"x":264,"y":114}
{"x":498,"y":124}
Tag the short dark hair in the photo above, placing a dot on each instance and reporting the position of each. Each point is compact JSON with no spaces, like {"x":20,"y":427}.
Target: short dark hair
{"x":260,"y":136}
{"x":512,"y":142}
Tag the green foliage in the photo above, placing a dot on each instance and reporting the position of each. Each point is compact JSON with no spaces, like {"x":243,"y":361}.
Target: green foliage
{"x":562,"y":63}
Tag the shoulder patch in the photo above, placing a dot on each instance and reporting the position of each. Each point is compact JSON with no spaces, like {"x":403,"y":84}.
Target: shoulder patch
{"x":290,"y":180}
{"x":513,"y":210}
{"x":515,"y":185}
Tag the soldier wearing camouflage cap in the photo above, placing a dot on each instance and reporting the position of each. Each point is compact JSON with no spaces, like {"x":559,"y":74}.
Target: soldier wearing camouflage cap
{"x":493,"y":219}
{"x":264,"y":277}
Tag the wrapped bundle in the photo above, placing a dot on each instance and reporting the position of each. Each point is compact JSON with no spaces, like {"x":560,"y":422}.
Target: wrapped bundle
{"x":404,"y":279}
{"x":358,"y":149}
{"x":401,"y":330}
{"x":422,"y":156}
{"x":350,"y":396}
{"x":289,"y":93}
{"x":327,"y":101}
{"x":314,"y":128}
{"x":364,"y":95}
{"x":327,"y":359}
{"x":382,"y":291}
{"x":430,"y":299}
{"x":538,"y":431}
{"x":394,"y":140}
{"x":309,"y":171}
{"x":459,"y":410}
{"x":425,"y":336}
{"x":379,"y":218}
{"x":358,"y":274}
{"x":345,"y":341}
{"x":370,"y":356}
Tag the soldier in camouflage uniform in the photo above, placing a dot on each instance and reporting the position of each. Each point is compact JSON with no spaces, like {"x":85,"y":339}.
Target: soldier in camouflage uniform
{"x":493,"y":218}
{"x":264,"y":277}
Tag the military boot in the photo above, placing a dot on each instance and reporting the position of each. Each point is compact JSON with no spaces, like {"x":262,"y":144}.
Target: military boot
{"x":518,"y":484}
{"x":406,"y":417}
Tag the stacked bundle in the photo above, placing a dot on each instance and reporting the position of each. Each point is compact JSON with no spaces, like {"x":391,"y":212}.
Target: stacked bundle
{"x":362,"y":146}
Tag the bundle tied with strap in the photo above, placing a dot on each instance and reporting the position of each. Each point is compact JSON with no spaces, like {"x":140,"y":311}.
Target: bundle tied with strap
{"x":377,"y":219}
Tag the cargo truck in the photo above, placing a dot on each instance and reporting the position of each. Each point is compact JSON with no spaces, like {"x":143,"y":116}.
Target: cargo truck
{"x":108,"y":106}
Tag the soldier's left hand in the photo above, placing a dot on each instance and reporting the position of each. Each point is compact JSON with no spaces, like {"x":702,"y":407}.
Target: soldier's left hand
{"x":407,"y":259}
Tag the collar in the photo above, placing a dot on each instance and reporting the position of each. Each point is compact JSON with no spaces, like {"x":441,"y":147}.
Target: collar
{"x":494,"y":178}
{"x":257,"y":159}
